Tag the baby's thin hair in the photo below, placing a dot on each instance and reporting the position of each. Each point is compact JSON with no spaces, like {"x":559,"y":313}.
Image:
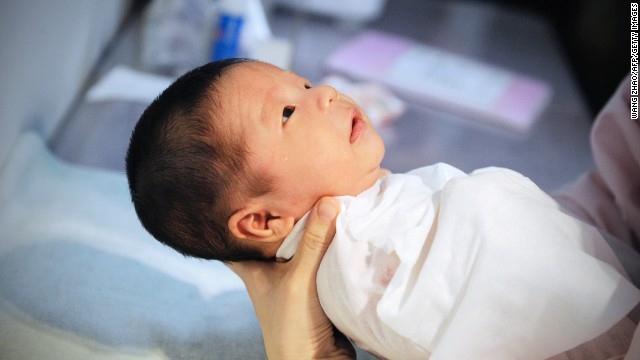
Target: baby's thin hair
{"x":185,"y":168}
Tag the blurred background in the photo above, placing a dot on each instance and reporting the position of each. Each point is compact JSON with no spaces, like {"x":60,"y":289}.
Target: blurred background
{"x":471,"y":83}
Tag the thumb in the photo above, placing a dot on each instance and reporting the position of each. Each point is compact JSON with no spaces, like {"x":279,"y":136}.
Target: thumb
{"x":318,"y":234}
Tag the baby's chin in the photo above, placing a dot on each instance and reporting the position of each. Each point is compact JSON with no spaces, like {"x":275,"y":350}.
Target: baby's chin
{"x":371,"y":178}
{"x":365,"y":182}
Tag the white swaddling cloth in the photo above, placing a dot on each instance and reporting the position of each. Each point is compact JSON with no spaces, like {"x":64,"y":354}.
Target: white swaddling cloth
{"x":436,"y":263}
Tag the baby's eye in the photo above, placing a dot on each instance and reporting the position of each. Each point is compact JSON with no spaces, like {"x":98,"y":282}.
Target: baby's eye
{"x":307,"y":86}
{"x":287,"y":112}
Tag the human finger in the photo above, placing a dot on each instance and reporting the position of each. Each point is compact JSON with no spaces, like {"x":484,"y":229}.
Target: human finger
{"x":317,"y":236}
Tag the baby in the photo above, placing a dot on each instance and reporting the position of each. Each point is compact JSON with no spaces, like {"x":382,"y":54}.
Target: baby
{"x":227,"y":161}
{"x":223,"y":169}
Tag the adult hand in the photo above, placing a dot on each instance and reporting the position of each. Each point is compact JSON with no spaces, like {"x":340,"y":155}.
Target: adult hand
{"x":285,"y":296}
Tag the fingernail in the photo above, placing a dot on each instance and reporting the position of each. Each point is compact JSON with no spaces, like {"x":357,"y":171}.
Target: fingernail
{"x":327,"y":211}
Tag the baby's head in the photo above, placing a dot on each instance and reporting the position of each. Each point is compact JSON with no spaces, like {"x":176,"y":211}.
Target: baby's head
{"x":225,"y":161}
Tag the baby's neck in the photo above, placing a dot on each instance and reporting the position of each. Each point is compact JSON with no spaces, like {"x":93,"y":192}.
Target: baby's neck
{"x":298,"y":230}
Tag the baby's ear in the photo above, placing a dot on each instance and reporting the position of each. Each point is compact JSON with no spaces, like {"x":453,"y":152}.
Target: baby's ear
{"x":260,"y":225}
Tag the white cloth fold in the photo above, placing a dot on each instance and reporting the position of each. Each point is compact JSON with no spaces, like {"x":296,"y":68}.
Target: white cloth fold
{"x":436,"y":263}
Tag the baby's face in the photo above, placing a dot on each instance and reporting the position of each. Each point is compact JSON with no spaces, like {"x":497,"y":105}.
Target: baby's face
{"x":313,"y":140}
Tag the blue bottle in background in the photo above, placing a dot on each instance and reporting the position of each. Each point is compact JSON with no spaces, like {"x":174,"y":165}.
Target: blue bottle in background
{"x":229,"y":29}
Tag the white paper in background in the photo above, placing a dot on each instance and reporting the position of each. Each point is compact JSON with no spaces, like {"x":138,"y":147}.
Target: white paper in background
{"x":124,"y":83}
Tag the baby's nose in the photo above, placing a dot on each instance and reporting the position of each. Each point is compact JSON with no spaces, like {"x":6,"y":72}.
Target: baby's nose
{"x":326,"y":95}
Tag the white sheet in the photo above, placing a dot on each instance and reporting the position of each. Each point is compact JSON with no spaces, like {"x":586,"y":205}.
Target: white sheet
{"x":508,"y":275}
{"x":44,"y":199}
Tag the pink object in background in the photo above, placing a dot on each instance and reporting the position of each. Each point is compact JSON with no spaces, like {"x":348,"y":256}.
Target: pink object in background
{"x":443,"y":80}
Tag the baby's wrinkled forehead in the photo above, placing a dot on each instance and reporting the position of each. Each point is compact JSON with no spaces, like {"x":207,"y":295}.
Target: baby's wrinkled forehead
{"x":244,"y":81}
{"x":237,"y":94}
{"x":259,"y":74}
{"x":254,"y":92}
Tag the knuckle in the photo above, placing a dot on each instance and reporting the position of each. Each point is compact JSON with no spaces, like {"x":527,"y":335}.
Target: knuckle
{"x":314,"y":239}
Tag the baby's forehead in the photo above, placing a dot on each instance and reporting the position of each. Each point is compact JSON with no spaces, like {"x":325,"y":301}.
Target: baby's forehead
{"x":255,"y":83}
{"x":251,"y":89}
{"x":259,"y":73}
{"x":241,"y":91}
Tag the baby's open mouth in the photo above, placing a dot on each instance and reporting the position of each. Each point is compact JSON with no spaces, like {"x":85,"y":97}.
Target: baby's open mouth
{"x":357,"y":126}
